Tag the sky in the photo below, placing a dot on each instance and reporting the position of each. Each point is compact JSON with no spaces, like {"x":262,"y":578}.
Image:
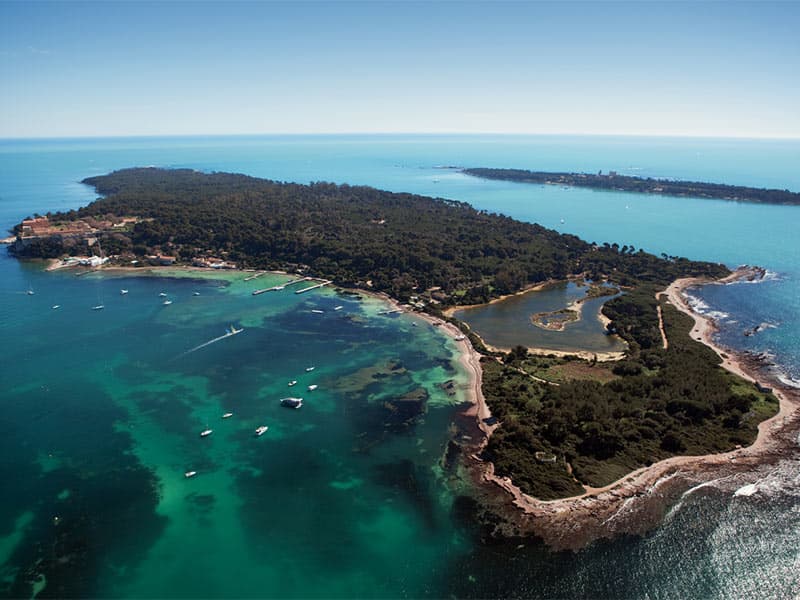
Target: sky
{"x":73,"y":69}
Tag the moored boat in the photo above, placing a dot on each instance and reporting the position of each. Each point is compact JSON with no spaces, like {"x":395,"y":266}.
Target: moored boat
{"x":123,"y":292}
{"x":309,"y":369}
{"x":311,"y":388}
{"x":206,"y":432}
{"x":261,"y":430}
{"x":98,"y":307}
{"x":293,"y":382}
{"x":167,"y":302}
{"x":227,"y":415}
{"x":189,"y":474}
{"x":292,"y":402}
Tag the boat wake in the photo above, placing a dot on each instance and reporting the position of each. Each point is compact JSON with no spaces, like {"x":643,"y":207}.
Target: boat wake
{"x":229,"y":333}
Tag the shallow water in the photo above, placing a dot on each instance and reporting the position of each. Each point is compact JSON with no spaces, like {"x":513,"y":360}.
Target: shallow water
{"x":100,"y":417}
{"x":507,"y":323}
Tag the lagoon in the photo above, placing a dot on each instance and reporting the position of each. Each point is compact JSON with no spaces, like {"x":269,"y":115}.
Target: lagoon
{"x":507,"y":323}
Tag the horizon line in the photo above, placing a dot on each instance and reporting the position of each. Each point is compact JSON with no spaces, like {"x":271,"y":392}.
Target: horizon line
{"x":397,"y":133}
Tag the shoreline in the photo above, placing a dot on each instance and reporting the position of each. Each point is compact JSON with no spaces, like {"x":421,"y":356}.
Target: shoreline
{"x":636,"y":502}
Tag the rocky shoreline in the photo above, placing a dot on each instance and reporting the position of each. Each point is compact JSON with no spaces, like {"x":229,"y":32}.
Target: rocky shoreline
{"x":637,"y":502}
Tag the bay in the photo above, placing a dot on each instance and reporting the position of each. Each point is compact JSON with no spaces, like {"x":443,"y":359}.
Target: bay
{"x":100,"y":419}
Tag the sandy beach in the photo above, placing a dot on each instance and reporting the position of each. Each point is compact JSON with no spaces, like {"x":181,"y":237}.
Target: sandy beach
{"x":637,"y":501}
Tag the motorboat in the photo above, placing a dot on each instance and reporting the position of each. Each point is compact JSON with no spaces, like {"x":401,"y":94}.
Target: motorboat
{"x":261,"y":430}
{"x":311,"y":388}
{"x":123,"y":292}
{"x":293,"y":382}
{"x":98,"y":307}
{"x":206,"y":432}
{"x":167,"y":302}
{"x":227,"y":415}
{"x":309,"y":369}
{"x":292,"y":402}
{"x":162,"y":295}
{"x":189,"y":474}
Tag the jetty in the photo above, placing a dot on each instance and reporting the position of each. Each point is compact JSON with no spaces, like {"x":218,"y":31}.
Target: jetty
{"x":283,"y":286}
{"x":312,"y":287}
{"x":254,"y":276}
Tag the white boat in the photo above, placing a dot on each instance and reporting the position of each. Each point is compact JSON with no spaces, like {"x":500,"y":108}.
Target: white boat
{"x":311,"y":388}
{"x":167,"y":302}
{"x":196,"y":294}
{"x":98,"y":307}
{"x":189,"y":474}
{"x":55,"y":306}
{"x":261,"y":430}
{"x":316,"y":310}
{"x":460,"y":338}
{"x":206,"y":432}
{"x":292,"y":402}
{"x":30,"y":292}
{"x":123,"y":292}
{"x":163,"y":295}
{"x":227,"y":415}
{"x":309,"y":369}
{"x":293,"y":382}
{"x":233,"y":331}
{"x":338,"y":307}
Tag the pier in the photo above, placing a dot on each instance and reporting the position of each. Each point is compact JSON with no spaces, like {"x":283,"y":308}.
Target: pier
{"x":278,"y":288}
{"x":312,"y":287}
{"x":254,"y":276}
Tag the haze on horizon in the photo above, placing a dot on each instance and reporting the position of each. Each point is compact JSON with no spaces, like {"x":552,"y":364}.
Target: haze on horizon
{"x":179,"y":68}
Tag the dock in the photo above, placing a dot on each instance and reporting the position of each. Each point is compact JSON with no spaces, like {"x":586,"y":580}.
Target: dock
{"x":278,"y":288}
{"x":254,"y":275}
{"x":312,"y":287}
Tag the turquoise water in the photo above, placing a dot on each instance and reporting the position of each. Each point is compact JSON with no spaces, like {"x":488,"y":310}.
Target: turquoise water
{"x":101,"y":414}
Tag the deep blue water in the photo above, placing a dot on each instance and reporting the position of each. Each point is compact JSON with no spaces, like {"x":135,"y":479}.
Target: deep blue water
{"x":93,"y":401}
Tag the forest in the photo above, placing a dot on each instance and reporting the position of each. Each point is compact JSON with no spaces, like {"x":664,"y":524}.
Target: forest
{"x":401,"y":244}
{"x":588,"y":425}
{"x":595,"y":422}
{"x":644,"y":185}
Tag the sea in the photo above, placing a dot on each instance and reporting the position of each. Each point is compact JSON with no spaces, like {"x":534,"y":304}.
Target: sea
{"x":349,"y":496}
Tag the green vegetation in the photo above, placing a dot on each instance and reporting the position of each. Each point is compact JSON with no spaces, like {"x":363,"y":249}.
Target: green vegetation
{"x":586,"y":423}
{"x":655,"y":404}
{"x":403,"y":244}
{"x":626,"y":183}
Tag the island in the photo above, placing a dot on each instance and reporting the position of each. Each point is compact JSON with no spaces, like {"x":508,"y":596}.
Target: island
{"x":613,"y":181}
{"x":546,"y":427}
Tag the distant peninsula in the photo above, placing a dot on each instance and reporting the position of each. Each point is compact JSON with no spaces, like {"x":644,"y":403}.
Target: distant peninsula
{"x":613,"y":181}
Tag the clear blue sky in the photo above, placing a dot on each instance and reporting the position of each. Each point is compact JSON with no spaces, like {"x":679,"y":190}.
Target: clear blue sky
{"x":677,"y":68}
